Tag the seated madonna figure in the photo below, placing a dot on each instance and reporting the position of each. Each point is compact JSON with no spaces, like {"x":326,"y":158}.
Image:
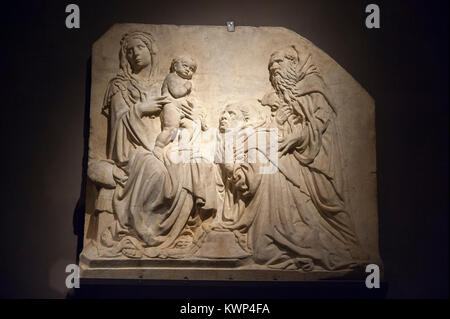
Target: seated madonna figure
{"x":152,"y":198}
{"x":295,"y":218}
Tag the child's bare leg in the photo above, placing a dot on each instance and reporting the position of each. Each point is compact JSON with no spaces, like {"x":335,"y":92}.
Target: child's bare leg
{"x":187,"y":130}
{"x":170,"y":124}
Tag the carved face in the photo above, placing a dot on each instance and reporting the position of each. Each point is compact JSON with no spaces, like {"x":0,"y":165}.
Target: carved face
{"x":138,"y":54}
{"x":231,"y":117}
{"x":282,"y":68}
{"x":185,"y":68}
{"x":282,"y":60}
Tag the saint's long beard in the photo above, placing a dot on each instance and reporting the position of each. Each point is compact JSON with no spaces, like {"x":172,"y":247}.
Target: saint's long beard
{"x":284,"y":81}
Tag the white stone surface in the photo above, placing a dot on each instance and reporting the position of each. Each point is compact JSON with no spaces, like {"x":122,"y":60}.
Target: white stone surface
{"x":151,"y":214}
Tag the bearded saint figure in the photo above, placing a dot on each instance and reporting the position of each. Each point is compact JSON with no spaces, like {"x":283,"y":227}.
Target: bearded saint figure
{"x":296,"y":217}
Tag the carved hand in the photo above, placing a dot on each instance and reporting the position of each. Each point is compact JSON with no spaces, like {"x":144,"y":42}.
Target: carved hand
{"x":186,"y":108}
{"x":289,"y":142}
{"x":119,"y":175}
{"x":202,"y":116}
{"x":158,"y":152}
{"x":240,"y":181}
{"x":151,"y":105}
{"x":188,"y":86}
{"x":283,"y":113}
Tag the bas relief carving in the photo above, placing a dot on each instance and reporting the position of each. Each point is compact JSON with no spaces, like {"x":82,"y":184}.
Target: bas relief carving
{"x":260,"y":186}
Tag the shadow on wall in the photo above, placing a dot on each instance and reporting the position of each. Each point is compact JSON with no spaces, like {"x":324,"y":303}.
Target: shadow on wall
{"x":80,"y":208}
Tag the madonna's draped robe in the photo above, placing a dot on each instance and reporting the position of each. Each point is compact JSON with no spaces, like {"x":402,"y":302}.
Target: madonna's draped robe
{"x":155,"y":203}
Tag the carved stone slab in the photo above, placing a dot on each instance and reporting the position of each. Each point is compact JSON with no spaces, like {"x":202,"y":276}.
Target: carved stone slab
{"x":216,"y":155}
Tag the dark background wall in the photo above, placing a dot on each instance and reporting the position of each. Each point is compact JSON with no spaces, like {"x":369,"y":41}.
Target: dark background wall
{"x":44,"y":71}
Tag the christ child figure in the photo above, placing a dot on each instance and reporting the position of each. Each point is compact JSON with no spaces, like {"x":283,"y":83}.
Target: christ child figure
{"x":177,"y":87}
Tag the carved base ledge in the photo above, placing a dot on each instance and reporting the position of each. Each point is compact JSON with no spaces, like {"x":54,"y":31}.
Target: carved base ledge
{"x":201,"y":269}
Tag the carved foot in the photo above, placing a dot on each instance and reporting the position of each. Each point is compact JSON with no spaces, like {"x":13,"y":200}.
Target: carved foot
{"x":184,"y":242}
{"x":129,"y":249}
